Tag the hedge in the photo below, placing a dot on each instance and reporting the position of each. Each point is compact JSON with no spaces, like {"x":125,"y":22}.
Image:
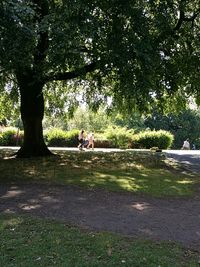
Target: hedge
{"x":11,"y":136}
{"x":120,"y":137}
{"x":148,"y":139}
{"x":112,"y":138}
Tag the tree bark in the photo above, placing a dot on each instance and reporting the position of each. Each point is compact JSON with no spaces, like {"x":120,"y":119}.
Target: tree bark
{"x":32,"y":112}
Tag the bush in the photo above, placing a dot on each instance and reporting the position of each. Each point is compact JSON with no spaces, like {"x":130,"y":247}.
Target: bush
{"x":56,"y":137}
{"x":161,"y":139}
{"x":119,"y":136}
{"x":103,"y":143}
{"x":72,"y":138}
{"x":10,"y":136}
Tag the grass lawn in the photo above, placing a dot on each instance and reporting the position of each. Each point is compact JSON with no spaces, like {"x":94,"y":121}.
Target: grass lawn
{"x":31,"y":242}
{"x":128,"y":171}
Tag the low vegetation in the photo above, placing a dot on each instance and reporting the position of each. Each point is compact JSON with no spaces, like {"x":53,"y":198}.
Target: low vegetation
{"x":117,"y":137}
{"x":27,"y":241}
{"x":128,"y":171}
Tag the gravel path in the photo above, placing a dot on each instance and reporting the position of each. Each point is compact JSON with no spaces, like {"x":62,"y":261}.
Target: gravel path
{"x":124,"y":213}
{"x":189,"y":158}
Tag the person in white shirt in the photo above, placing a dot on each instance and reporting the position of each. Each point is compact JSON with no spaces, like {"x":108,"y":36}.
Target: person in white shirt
{"x":186,"y":145}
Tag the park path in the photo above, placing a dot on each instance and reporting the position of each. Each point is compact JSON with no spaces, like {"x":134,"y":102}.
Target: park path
{"x":98,"y":210}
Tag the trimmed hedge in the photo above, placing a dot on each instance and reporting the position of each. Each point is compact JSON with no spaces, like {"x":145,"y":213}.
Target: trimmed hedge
{"x":161,"y":139}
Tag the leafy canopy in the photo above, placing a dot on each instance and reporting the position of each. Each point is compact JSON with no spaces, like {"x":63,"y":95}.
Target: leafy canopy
{"x":140,"y":53}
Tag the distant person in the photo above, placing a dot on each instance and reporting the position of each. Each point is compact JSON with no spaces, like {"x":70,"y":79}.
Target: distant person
{"x":90,"y":139}
{"x":186,"y":145}
{"x":193,"y":147}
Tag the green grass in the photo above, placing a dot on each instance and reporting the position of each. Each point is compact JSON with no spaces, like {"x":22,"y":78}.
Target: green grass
{"x":31,"y":242}
{"x":137,"y":172}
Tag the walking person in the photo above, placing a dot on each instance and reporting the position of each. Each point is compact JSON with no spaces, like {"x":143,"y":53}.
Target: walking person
{"x":81,"y":139}
{"x":90,"y":139}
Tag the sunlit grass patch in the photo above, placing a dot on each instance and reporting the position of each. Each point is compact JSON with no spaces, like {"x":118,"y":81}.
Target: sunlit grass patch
{"x":154,"y":182}
{"x":27,"y":241}
{"x":125,"y":171}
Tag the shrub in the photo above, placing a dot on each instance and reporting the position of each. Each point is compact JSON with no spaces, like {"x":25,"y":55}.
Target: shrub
{"x":56,"y":137}
{"x":72,"y":138}
{"x":161,"y":139}
{"x":10,"y":136}
{"x":119,"y":136}
{"x":103,"y":143}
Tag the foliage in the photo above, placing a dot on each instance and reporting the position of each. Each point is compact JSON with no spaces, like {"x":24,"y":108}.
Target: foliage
{"x":182,"y":125}
{"x":148,"y":139}
{"x":56,"y":137}
{"x":85,"y":118}
{"x":72,"y":138}
{"x":11,"y":137}
{"x":142,"y":52}
{"x":9,"y":109}
{"x":60,"y":138}
{"x":133,"y":120}
{"x":119,"y":136}
{"x":103,"y":143}
{"x":139,"y":54}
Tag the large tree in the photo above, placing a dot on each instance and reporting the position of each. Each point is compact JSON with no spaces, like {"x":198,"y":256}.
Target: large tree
{"x":139,"y":52}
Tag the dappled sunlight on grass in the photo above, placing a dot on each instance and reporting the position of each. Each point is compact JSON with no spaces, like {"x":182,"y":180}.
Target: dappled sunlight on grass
{"x":126,"y":171}
{"x":185,"y":181}
{"x":112,"y":181}
{"x":10,"y":223}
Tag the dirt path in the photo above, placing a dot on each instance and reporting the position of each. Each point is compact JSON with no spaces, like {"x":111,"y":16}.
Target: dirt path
{"x":125,"y":213}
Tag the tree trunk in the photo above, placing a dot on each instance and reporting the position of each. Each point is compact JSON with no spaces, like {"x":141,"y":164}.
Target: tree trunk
{"x":32,"y":112}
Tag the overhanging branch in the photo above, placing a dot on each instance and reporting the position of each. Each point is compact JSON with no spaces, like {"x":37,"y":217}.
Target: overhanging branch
{"x":183,"y":18}
{"x":71,"y":74}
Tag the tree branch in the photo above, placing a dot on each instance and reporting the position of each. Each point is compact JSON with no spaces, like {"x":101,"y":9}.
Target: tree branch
{"x":183,"y":18}
{"x":43,"y":43}
{"x":71,"y":74}
{"x":180,"y":21}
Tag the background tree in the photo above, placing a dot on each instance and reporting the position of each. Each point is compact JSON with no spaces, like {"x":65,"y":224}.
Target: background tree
{"x":183,"y":125}
{"x":137,"y":52}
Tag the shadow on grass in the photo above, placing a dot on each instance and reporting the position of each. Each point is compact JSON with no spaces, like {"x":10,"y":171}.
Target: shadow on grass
{"x":127,"y":171}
